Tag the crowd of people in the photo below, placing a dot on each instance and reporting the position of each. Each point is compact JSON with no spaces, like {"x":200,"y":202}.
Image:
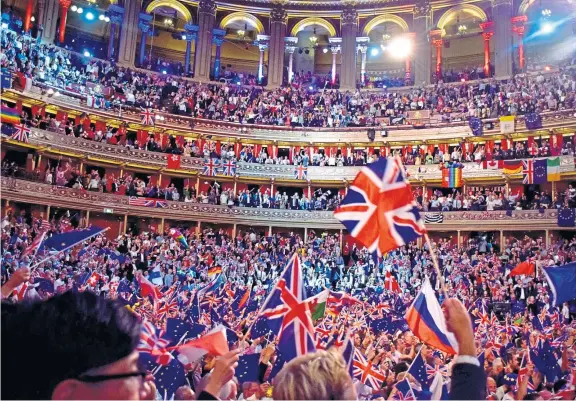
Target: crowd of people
{"x":477,"y":275}
{"x":286,"y":106}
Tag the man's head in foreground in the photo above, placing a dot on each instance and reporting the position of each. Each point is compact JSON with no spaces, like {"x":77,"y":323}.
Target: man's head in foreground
{"x":77,"y":345}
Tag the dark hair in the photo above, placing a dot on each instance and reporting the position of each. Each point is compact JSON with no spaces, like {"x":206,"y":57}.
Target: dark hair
{"x":531,"y":396}
{"x":44,"y":343}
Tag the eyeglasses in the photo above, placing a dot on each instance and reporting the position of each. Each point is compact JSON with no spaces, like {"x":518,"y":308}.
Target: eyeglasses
{"x":101,"y":378}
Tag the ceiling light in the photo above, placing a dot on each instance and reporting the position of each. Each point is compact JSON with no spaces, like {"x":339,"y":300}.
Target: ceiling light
{"x":87,"y":53}
{"x":386,"y":37}
{"x":89,"y":16}
{"x":107,"y":19}
{"x":400,"y":47}
{"x":374,"y":51}
{"x":80,"y":10}
{"x":74,"y":8}
{"x":325,"y":50}
{"x":32,"y":18}
{"x":101,"y":17}
{"x":546,"y":12}
{"x":547,"y":27}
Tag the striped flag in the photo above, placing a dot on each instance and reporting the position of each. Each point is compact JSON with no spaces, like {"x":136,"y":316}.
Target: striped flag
{"x":21,"y":133}
{"x":433,"y":218}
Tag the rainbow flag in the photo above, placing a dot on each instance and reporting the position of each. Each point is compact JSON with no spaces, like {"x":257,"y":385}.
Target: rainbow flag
{"x":178,"y":236}
{"x":9,"y":115}
{"x":452,"y":177}
{"x":214,"y":270}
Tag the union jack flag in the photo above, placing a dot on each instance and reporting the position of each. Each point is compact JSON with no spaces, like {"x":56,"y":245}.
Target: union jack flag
{"x":528,"y":172}
{"x":301,"y":172}
{"x":153,"y":344}
{"x":147,"y":117}
{"x":21,"y":133}
{"x":168,"y":309}
{"x":210,"y":301}
{"x":379,"y":210}
{"x":210,"y":167}
{"x":287,"y":314}
{"x":431,"y":371}
{"x":146,"y":202}
{"x":365,"y":372}
{"x":403,"y":391}
{"x":34,"y":246}
{"x":229,"y":168}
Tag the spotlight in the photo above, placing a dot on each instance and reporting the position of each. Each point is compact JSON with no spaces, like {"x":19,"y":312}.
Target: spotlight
{"x":101,"y":17}
{"x":238,"y":83}
{"x":325,"y":50}
{"x":87,"y":53}
{"x":4,"y":25}
{"x":89,"y":16}
{"x":183,"y":37}
{"x":32,"y":18}
{"x":80,"y":10}
{"x":74,"y":8}
{"x":462,"y":80}
{"x":374,"y":52}
{"x":163,"y":71}
{"x":311,"y":88}
{"x":547,"y":68}
{"x":107,"y":19}
{"x":400,"y":47}
{"x":547,"y":27}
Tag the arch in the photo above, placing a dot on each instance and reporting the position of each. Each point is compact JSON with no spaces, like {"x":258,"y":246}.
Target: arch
{"x":313,"y":21}
{"x":175,"y":4}
{"x":524,"y":6}
{"x":380,"y":19}
{"x":242,"y":16}
{"x":450,"y":14}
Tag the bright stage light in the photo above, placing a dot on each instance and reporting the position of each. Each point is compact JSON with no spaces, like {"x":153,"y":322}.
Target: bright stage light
{"x":374,"y":52}
{"x":80,"y":10}
{"x":400,"y":47}
{"x":89,"y":16}
{"x":74,"y":8}
{"x":87,"y":53}
{"x":325,"y":50}
{"x":547,"y":27}
{"x":107,"y":19}
{"x":101,"y":17}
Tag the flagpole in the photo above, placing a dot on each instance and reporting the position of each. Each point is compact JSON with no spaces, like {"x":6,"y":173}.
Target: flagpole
{"x":436,"y":265}
{"x":156,"y":369}
{"x":68,"y":247}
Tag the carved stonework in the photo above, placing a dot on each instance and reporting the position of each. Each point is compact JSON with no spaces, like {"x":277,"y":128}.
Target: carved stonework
{"x":349,"y":16}
{"x":65,"y":3}
{"x":207,"y":6}
{"x":422,"y":10}
{"x":278,"y":14}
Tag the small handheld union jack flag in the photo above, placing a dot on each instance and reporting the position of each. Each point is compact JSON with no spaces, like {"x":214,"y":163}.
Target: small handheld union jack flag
{"x":379,"y":210}
{"x":21,"y":133}
{"x":229,"y":168}
{"x":153,"y":344}
{"x":147,"y":117}
{"x":301,"y":172}
{"x":367,"y":373}
{"x":210,"y":167}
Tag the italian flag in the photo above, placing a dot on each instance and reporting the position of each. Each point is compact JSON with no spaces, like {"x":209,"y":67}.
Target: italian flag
{"x":317,"y":304}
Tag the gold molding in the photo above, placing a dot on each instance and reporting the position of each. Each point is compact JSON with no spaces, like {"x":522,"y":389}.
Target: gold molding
{"x":300,"y":25}
{"x":175,"y":4}
{"x":450,"y":14}
{"x":379,"y":19}
{"x":242,"y":16}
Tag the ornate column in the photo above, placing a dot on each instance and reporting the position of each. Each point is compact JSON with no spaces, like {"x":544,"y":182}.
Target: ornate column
{"x":203,"y":54}
{"x":408,"y":74}
{"x":335,"y":47}
{"x":28,"y":16}
{"x":290,"y":42}
{"x":191,"y":33}
{"x":518,"y":28}
{"x":262,"y":43}
{"x":145,"y":27}
{"x":47,"y":18}
{"x":129,"y":33}
{"x":422,"y":57}
{"x":348,"y":54}
{"x":218,"y":39}
{"x":64,"y":6}
{"x":363,"y":50}
{"x":487,"y":33}
{"x":278,"y":19}
{"x":502,"y":12}
{"x":438,"y":43}
{"x":116,"y":14}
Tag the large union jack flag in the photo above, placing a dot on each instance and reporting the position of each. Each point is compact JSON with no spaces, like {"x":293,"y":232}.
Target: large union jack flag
{"x":367,"y":373}
{"x":528,"y":171}
{"x":210,"y":167}
{"x":154,"y":344}
{"x":21,"y":133}
{"x":229,"y":168}
{"x":147,"y":117}
{"x":300,"y":172}
{"x":287,"y":314}
{"x":379,"y":210}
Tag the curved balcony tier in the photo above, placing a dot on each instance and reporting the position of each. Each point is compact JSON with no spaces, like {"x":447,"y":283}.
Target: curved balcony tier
{"x":562,"y":121}
{"x":97,"y":152}
{"x":15,"y":190}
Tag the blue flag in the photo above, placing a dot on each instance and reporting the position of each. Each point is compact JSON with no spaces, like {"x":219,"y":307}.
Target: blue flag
{"x":477,"y":126}
{"x":566,"y":217}
{"x":60,"y":242}
{"x":533,"y":121}
{"x":169,"y":378}
{"x":562,"y":280}
{"x":248,"y":368}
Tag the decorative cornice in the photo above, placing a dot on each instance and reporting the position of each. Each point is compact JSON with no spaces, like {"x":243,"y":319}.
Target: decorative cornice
{"x":278,"y":14}
{"x":207,"y":7}
{"x":349,"y":16}
{"x":423,"y":10}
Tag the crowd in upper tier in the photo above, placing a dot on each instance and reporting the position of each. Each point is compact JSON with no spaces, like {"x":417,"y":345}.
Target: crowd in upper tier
{"x":287,"y":106}
{"x":514,"y":319}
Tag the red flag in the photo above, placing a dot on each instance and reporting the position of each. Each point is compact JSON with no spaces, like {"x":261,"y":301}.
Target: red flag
{"x":390,"y":283}
{"x":525,"y":268}
{"x":214,"y":343}
{"x":556,"y":143}
{"x":173,"y":162}
{"x":62,"y":116}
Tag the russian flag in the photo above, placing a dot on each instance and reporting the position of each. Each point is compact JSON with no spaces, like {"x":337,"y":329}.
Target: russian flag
{"x":426,"y":320}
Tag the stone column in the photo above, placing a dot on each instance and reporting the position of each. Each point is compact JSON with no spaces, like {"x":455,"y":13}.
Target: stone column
{"x":291,"y":50}
{"x":411,"y":36}
{"x":363,"y":50}
{"x":218,"y":39}
{"x":145,"y":27}
{"x":47,"y":17}
{"x":502,"y":12}
{"x":64,"y":6}
{"x":438,"y":43}
{"x":335,"y":47}
{"x":278,"y":19}
{"x":116,"y":14}
{"x":422,"y":56}
{"x":518,"y":28}
{"x":348,"y":53}
{"x":191,"y":33}
{"x":487,"y":33}
{"x":262,"y":47}
{"x":203,"y":54}
{"x":129,"y":33}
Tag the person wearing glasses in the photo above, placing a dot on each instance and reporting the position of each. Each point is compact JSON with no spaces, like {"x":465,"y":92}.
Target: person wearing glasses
{"x":77,"y":345}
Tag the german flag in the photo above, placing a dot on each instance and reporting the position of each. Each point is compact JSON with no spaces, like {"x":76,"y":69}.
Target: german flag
{"x":513,"y":167}
{"x":9,"y":115}
{"x":214,"y":270}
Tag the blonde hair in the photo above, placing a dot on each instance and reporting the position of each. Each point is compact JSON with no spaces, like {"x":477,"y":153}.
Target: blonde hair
{"x":322,"y":375}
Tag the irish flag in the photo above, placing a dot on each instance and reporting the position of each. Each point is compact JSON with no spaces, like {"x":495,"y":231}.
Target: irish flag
{"x":317,"y":304}
{"x":553,"y":169}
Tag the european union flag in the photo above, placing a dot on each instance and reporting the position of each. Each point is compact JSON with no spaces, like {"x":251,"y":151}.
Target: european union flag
{"x":60,"y":242}
{"x":477,"y":126}
{"x":124,"y":286}
{"x":248,"y":368}
{"x":194,"y":311}
{"x":169,"y":378}
{"x":418,"y":370}
{"x":562,"y":280}
{"x":566,"y":217}
{"x":533,"y":121}
{"x":546,"y":362}
{"x":44,"y":284}
{"x":177,"y":330}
